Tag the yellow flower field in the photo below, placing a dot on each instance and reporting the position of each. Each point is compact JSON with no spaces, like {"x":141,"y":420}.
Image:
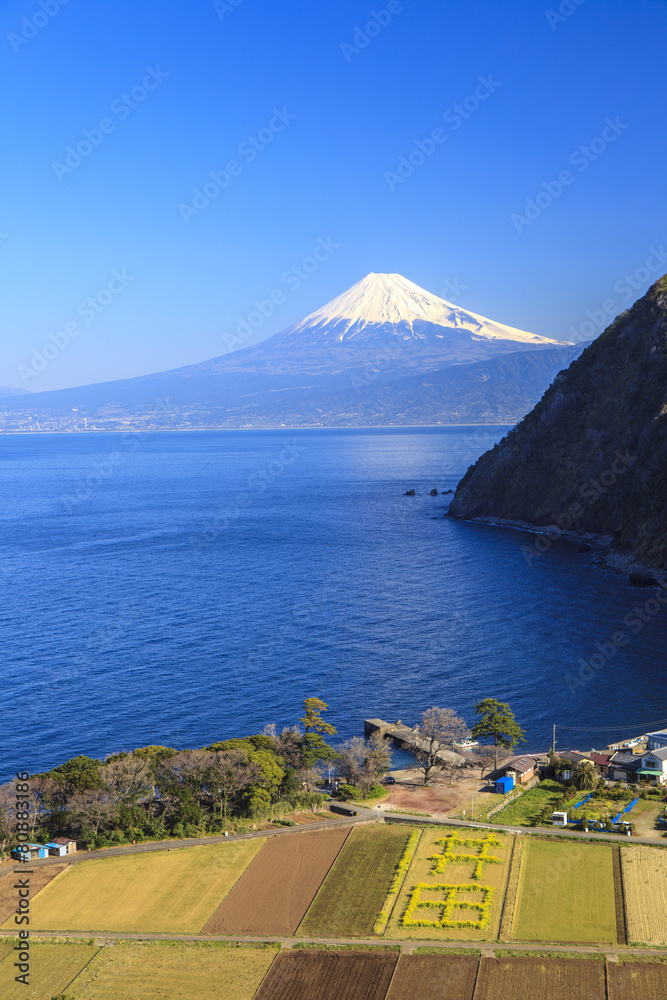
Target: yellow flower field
{"x":454,"y":888}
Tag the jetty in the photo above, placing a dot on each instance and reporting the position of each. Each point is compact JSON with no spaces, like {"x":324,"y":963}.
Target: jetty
{"x":406,"y":737}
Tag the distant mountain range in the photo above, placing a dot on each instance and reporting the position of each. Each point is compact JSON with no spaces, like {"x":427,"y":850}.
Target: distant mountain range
{"x":384,"y":352}
{"x":8,"y":390}
{"x":592,"y":455}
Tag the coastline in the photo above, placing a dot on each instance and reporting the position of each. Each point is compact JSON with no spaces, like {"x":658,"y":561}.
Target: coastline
{"x":602,"y":548}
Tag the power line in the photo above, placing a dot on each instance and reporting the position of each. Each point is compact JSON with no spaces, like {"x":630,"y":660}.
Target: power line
{"x":645,"y":726}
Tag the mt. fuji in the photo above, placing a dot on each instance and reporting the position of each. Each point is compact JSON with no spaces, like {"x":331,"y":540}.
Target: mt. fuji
{"x":384,"y":313}
{"x":357,"y":360}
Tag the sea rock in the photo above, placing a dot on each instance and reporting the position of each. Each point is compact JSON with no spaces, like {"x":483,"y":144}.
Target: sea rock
{"x":409,"y":493}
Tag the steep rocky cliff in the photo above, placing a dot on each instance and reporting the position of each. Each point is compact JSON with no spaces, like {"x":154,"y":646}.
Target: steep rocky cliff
{"x":592,"y":455}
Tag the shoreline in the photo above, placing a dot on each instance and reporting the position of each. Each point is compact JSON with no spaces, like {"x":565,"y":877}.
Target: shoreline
{"x":601,"y":546}
{"x":277,"y":427}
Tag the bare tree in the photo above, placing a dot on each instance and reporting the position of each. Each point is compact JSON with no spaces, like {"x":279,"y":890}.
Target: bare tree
{"x":362,"y":762}
{"x":230,"y":772}
{"x":438,"y":730}
{"x":92,"y":807}
{"x":351,"y":759}
{"x":127,"y":779}
{"x":483,"y":758}
{"x":7,"y":814}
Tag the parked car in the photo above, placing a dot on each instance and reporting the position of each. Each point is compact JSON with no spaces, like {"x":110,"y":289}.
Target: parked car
{"x":389,"y":780}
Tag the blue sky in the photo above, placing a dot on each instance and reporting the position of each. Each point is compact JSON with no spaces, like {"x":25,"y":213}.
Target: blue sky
{"x":333,"y":110}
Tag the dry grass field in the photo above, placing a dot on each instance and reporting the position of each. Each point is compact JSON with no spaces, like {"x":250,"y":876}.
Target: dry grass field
{"x":645,"y":888}
{"x":644,"y":980}
{"x":566,"y":893}
{"x":542,"y":979}
{"x":353,"y":892}
{"x":310,"y":974}
{"x":434,"y":977}
{"x":8,"y":894}
{"x":470,"y":876}
{"x":53,"y":966}
{"x":160,"y":891}
{"x":166,"y":970}
{"x":274,"y":893}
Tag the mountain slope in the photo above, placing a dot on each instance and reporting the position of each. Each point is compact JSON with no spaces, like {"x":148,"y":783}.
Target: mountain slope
{"x":382,"y":329}
{"x":594,"y":449}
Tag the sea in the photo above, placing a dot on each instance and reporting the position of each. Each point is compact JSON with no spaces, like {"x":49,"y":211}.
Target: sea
{"x":183,"y":588}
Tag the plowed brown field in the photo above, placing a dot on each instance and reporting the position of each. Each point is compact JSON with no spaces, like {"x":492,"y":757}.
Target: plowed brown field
{"x":328,"y":975}
{"x":39,"y":878}
{"x":637,"y":979}
{"x":273,"y":894}
{"x":434,"y":977}
{"x":540,"y":979}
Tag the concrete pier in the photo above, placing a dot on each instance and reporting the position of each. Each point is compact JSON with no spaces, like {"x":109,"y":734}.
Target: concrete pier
{"x":406,"y":737}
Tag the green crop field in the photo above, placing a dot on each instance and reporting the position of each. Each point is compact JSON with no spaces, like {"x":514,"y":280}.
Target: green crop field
{"x":159,"y":891}
{"x":566,"y":893}
{"x":528,"y":806}
{"x":353,"y":892}
{"x":53,"y":966}
{"x":164,"y":970}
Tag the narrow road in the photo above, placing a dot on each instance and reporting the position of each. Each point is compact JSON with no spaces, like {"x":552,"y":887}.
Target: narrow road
{"x":175,"y":845}
{"x":359,"y":814}
{"x":104,"y":937}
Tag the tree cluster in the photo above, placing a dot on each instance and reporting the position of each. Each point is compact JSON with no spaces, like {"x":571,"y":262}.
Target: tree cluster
{"x":158,"y":791}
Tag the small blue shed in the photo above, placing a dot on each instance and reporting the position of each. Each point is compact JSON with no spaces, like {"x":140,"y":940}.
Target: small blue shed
{"x":505,"y":784}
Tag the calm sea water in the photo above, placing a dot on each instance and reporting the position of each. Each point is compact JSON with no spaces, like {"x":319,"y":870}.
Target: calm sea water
{"x":184,"y":588}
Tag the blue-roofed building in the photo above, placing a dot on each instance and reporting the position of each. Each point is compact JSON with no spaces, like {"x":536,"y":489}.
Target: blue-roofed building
{"x":56,"y":849}
{"x":32,"y":851}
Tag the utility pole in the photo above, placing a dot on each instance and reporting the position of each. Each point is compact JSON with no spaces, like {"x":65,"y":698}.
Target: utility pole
{"x":553,"y":741}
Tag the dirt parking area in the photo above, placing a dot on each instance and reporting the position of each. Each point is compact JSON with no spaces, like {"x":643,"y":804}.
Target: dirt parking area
{"x":439,"y":798}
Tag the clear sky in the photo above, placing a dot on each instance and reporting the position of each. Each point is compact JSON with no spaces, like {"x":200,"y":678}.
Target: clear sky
{"x":315,"y":103}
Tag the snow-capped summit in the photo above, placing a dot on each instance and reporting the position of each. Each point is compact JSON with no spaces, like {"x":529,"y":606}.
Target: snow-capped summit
{"x":381,"y":299}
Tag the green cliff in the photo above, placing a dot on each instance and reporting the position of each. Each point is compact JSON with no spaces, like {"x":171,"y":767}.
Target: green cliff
{"x":592,"y":455}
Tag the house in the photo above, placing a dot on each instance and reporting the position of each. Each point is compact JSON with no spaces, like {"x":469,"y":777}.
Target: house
{"x":57,"y":850}
{"x":624,"y":766}
{"x":601,"y":761}
{"x":657,"y":741}
{"x":654,"y":766}
{"x":67,"y":843}
{"x":31,"y":852}
{"x":522,"y":769}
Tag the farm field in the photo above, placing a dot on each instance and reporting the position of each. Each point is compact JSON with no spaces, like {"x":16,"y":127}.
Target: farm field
{"x":9,"y":896}
{"x":644,"y":814}
{"x":434,"y":977}
{"x":566,"y":893}
{"x":441,"y":887}
{"x":353,"y":892}
{"x":541,"y":979}
{"x":309,"y":974}
{"x":273,"y":895}
{"x":524,"y":810}
{"x":645,"y":888}
{"x":162,"y":891}
{"x":166,"y":970}
{"x":53,"y":966}
{"x":626,"y":980}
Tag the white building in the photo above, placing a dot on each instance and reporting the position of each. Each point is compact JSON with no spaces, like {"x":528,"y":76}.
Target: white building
{"x":657,"y":741}
{"x":654,"y":765}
